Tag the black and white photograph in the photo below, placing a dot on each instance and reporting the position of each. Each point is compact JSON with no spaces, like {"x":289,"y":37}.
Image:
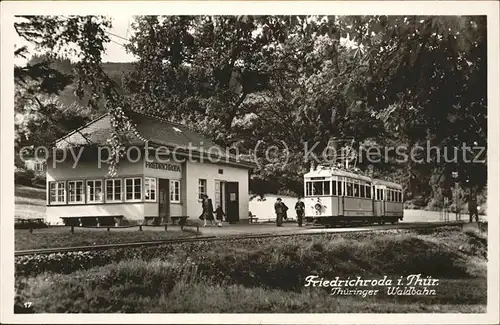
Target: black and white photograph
{"x":250,"y":162}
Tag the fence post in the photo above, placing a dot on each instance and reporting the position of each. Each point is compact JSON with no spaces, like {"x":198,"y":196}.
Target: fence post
{"x":108,"y":229}
{"x":140,"y":227}
{"x":165,"y":227}
{"x":72,"y":229}
{"x":31,"y":229}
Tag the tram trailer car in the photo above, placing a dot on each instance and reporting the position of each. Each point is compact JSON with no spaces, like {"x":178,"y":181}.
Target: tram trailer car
{"x":336,"y":196}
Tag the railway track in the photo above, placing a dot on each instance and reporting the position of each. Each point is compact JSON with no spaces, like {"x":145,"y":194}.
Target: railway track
{"x":307,"y":232}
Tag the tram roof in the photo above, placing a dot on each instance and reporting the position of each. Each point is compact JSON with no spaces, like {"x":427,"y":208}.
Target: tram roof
{"x":387,"y":183}
{"x":328,"y":172}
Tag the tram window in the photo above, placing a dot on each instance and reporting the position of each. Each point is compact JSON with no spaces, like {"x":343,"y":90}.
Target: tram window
{"x":368,"y":190}
{"x":317,"y":188}
{"x":308,"y":188}
{"x":339,"y":188}
{"x":392,"y":196}
{"x":362,"y":191}
{"x":356,"y":190}
{"x":326,"y":188}
{"x":334,"y":187}
{"x":400,"y":196}
{"x":349,"y":189}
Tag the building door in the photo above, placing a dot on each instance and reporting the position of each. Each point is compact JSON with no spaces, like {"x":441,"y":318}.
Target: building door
{"x":232,"y":202}
{"x":164,"y":200}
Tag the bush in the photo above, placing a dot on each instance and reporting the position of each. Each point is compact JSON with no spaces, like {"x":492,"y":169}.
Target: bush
{"x":24,"y":177}
{"x":39,"y":180}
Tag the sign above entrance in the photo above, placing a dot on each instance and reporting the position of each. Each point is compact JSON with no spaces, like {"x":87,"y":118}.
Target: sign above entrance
{"x":163,"y":166}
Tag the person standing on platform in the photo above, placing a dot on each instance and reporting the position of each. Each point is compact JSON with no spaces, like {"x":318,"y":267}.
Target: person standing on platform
{"x":473,"y":207}
{"x":219,"y":215}
{"x":209,"y":210}
{"x":300,"y":209}
{"x":279,"y":209}
{"x":203,"y":210}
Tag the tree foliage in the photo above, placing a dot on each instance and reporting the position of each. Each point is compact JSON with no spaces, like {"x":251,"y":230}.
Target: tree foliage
{"x":258,"y":81}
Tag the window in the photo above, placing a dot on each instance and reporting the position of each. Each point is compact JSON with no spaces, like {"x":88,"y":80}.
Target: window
{"x":94,"y":191}
{"x":113,"y":190}
{"x":309,"y":188}
{"x":75,"y":192}
{"x":400,"y":196}
{"x":57,"y":192}
{"x":318,"y":188}
{"x":202,"y":188}
{"x":326,"y":188}
{"x":334,"y":187}
{"x":175,"y":191}
{"x":349,"y":188}
{"x":39,"y":166}
{"x":362,"y":191}
{"x":149,"y":189}
{"x":368,"y":190}
{"x":380,"y":194}
{"x":133,"y":189}
{"x":356,"y":190}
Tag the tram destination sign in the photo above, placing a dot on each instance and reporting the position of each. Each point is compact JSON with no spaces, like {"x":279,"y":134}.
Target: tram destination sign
{"x":163,"y":166}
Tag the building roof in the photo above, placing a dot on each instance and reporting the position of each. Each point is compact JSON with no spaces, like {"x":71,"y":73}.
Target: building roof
{"x":157,"y":132}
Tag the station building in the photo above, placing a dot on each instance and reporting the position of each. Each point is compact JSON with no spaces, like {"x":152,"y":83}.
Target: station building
{"x":164,"y":174}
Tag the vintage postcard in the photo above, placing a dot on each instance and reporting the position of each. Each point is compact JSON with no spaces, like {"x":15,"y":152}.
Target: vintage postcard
{"x":280,"y":162}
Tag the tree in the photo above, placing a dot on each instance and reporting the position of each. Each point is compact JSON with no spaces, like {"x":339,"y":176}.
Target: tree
{"x":427,"y":82}
{"x":83,"y":37}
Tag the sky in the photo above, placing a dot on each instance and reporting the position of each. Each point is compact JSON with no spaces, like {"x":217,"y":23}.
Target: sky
{"x":115,"y":52}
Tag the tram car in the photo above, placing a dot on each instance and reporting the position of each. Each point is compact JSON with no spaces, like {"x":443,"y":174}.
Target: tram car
{"x":339,"y":196}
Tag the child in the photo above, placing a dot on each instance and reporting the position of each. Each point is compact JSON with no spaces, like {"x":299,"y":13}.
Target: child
{"x":219,"y":215}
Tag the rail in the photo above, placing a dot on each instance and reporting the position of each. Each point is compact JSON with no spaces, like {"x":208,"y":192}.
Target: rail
{"x":225,"y":238}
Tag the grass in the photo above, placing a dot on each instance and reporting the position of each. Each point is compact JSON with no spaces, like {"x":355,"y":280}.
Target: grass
{"x":29,"y":202}
{"x":62,"y":237}
{"x":270,"y":277}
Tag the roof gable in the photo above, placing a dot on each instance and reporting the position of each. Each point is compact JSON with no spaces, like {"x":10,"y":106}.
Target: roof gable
{"x":157,"y":131}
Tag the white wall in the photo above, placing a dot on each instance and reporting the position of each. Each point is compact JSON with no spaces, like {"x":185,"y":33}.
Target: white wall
{"x":133,"y":212}
{"x":210,"y":172}
{"x":189,"y":174}
{"x":264,"y":210}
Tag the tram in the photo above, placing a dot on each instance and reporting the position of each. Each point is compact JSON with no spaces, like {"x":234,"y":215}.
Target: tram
{"x":338,"y":196}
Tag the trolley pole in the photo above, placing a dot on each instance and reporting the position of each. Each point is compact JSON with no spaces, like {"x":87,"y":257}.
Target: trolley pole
{"x":457,"y":208}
